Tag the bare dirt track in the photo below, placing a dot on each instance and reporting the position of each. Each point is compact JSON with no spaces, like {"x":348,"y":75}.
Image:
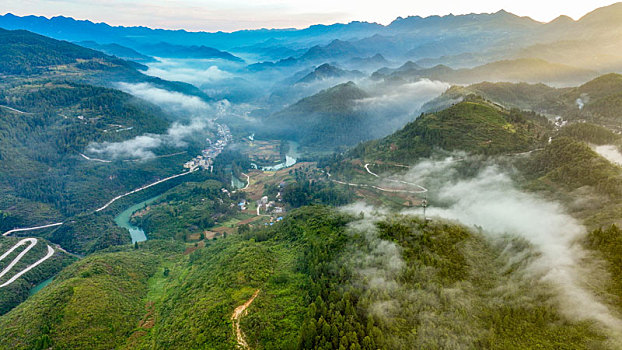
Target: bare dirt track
{"x":236,"y":317}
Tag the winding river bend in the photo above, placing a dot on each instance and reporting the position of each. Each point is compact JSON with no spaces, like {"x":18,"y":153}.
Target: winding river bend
{"x":290,"y":158}
{"x":123,"y":219}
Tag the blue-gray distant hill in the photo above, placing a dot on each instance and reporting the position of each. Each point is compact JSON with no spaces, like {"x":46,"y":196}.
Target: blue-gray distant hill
{"x":117,"y":50}
{"x":529,"y":70}
{"x":327,"y":71}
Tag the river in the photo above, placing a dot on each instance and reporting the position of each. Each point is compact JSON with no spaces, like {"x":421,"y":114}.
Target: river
{"x":40,"y":286}
{"x":123,"y":219}
{"x":290,"y":158}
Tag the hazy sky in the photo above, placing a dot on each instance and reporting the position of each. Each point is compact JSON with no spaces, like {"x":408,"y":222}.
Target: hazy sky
{"x":229,"y":15}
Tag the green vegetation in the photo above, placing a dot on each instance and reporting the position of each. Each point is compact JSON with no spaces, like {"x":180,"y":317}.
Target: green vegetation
{"x":188,"y":208}
{"x":536,"y":97}
{"x":569,"y":164}
{"x":608,"y":242}
{"x":94,"y":303}
{"x":307,"y":191}
{"x":590,"y":133}
{"x":23,"y":52}
{"x":26,"y":55}
{"x":452,"y":292}
{"x":65,"y":118}
{"x":600,"y":98}
{"x":87,"y":233}
{"x":474,"y":126}
{"x":327,"y":280}
{"x":18,"y":291}
{"x":325,"y":120}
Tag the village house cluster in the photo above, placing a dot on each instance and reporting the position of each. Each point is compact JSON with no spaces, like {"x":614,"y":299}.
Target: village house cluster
{"x":206,"y":159}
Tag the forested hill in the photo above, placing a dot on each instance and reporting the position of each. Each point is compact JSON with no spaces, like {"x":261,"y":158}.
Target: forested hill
{"x":599,"y":100}
{"x":326,"y":119}
{"x":51,"y":124}
{"x":26,"y":54}
{"x":23,"y":52}
{"x":473,"y":125}
{"x":393,"y":283}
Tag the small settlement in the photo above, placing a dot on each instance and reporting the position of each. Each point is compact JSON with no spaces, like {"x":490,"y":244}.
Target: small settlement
{"x":206,"y":159}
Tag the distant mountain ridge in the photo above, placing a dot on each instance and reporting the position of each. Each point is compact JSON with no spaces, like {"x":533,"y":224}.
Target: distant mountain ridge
{"x":519,"y":70}
{"x":412,"y":37}
{"x":117,"y":50}
{"x":327,"y":71}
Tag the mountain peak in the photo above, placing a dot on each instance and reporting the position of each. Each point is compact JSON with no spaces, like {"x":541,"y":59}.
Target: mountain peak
{"x":563,"y":19}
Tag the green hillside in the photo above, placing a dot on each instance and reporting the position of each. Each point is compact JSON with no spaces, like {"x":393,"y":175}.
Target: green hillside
{"x":18,"y":291}
{"x":571,"y":164}
{"x":600,"y":99}
{"x":23,"y":52}
{"x":56,"y":122}
{"x":473,"y":126}
{"x":94,"y":303}
{"x":536,"y":97}
{"x":191,"y":207}
{"x":313,"y":293}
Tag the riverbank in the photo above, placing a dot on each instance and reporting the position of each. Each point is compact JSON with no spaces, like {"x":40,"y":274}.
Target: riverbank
{"x":123,"y":220}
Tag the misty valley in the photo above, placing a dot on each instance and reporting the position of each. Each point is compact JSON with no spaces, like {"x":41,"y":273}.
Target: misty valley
{"x":439,"y":182}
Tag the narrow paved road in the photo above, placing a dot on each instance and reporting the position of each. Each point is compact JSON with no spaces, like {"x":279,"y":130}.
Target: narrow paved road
{"x":30,"y":228}
{"x":421,"y":188}
{"x":103,"y":207}
{"x":14,"y":110}
{"x":248,"y":181}
{"x":95,"y":159}
{"x":142,"y":188}
{"x":389,"y":190}
{"x":236,"y":317}
{"x":32,"y":242}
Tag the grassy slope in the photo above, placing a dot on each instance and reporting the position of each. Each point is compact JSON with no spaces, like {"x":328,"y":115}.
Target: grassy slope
{"x":94,"y":303}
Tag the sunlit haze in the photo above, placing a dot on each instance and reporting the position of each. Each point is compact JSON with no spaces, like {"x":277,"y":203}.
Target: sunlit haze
{"x":215,"y":15}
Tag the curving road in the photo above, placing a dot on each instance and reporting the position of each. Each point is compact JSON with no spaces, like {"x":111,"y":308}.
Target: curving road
{"x":248,"y":182}
{"x":32,"y":242}
{"x":390,"y":190}
{"x":421,"y":188}
{"x":103,"y":207}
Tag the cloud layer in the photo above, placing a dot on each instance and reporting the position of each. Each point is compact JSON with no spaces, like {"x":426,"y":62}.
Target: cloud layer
{"x":143,"y":146}
{"x":490,"y":201}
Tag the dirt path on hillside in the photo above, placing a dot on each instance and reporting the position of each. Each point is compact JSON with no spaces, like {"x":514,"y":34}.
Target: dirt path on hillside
{"x":236,"y":317}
